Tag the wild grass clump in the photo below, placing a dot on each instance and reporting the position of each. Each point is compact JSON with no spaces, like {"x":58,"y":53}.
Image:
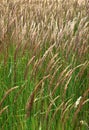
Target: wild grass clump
{"x":44,"y":65}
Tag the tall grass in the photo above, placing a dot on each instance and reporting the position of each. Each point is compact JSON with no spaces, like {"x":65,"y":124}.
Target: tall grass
{"x":44,"y":65}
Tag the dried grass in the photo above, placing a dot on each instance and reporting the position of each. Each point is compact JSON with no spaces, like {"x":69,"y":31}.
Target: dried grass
{"x":51,"y":50}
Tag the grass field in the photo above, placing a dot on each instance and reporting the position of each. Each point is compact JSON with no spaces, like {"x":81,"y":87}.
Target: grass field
{"x":44,"y":65}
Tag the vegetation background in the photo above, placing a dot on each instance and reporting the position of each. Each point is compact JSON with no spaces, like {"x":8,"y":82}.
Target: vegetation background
{"x":44,"y":65}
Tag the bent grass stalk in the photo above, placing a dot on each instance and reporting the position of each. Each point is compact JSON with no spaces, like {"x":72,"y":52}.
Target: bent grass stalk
{"x":44,"y":49}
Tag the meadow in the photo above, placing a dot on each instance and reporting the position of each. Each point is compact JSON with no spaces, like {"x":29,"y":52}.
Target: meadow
{"x":44,"y":65}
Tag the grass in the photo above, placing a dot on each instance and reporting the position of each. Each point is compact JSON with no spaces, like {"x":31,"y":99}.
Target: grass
{"x":44,"y":65}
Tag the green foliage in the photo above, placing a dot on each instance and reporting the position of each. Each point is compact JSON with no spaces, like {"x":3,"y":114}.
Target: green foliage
{"x":44,"y":65}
